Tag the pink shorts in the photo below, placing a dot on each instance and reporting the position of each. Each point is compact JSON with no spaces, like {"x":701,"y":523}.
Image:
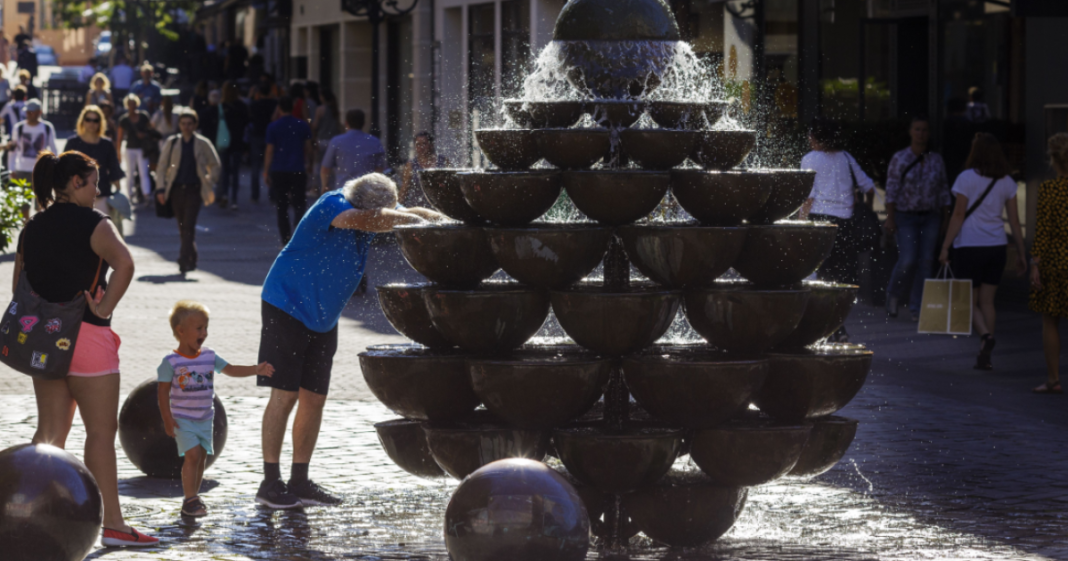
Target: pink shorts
{"x":96,"y":352}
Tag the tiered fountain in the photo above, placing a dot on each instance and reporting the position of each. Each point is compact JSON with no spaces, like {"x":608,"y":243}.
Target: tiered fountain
{"x":619,"y":129}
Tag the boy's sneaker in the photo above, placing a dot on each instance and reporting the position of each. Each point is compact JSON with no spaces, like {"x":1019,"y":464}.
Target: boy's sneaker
{"x":310,"y":493}
{"x":118,"y":538}
{"x":275,"y":494}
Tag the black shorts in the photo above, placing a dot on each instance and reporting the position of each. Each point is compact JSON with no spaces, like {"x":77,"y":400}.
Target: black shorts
{"x":302,"y":358}
{"x":982,"y":264}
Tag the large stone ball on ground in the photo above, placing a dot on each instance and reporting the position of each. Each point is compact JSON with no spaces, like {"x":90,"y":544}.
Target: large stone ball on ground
{"x":516,"y":510}
{"x":50,"y":505}
{"x":145,"y":441}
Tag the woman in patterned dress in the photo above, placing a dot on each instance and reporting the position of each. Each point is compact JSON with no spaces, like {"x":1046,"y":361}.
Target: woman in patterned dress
{"x":1049,"y":257}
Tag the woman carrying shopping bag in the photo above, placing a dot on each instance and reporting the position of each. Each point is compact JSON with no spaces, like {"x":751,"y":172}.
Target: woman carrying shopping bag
{"x":1049,"y":260}
{"x":833,"y":199}
{"x":977,"y":234}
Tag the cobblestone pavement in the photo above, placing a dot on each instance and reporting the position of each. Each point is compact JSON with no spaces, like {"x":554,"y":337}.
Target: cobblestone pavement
{"x":948,"y":463}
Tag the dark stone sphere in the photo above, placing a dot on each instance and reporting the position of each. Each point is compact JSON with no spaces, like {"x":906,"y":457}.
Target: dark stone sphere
{"x":516,"y":510}
{"x":146,"y":443}
{"x":50,"y":505}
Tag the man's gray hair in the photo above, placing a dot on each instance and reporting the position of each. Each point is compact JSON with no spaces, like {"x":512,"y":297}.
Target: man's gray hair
{"x":371,"y":192}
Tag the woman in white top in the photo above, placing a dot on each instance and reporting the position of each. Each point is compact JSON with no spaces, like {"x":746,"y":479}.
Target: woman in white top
{"x":165,"y":120}
{"x":977,"y":233}
{"x":99,"y":90}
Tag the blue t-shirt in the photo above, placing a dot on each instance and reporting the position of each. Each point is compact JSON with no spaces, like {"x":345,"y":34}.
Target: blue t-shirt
{"x":318,"y":271}
{"x":287,"y":135}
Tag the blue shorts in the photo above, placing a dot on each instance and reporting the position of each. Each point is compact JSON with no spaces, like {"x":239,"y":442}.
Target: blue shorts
{"x":194,"y":433}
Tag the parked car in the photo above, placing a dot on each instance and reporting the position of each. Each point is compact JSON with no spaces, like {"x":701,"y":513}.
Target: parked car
{"x":103,"y":44}
{"x":46,"y":56}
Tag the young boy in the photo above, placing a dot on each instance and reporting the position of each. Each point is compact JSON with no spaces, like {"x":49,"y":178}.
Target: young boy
{"x":186,"y":394}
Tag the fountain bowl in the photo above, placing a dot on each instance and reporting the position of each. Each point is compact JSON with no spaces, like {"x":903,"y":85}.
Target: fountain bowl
{"x":657,"y":149}
{"x":682,"y":115}
{"x":405,"y":443}
{"x":714,"y":110}
{"x":616,"y":113}
{"x":518,"y":111}
{"x":573,"y":148}
{"x":403,"y":306}
{"x":827,"y":444}
{"x":735,"y":317}
{"x":516,"y":510}
{"x":539,"y":389}
{"x":494,"y":318}
{"x":720,"y":198}
{"x":782,"y":254}
{"x":508,"y":149}
{"x":544,"y":114}
{"x":615,"y":198}
{"x":419,"y":383}
{"x":615,"y":321}
{"x":685,"y":509}
{"x":748,"y":451}
{"x":828,"y":307}
{"x":789,"y":190}
{"x":442,"y":188}
{"x":694,"y":390}
{"x":814,"y":382}
{"x":549,"y":255}
{"x":617,"y":462}
{"x":723,"y":149}
{"x":462,"y":447}
{"x":682,"y":255}
{"x":511,"y":198}
{"x":452,"y":255}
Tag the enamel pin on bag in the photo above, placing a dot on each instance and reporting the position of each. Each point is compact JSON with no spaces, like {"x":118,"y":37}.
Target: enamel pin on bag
{"x":37,"y":337}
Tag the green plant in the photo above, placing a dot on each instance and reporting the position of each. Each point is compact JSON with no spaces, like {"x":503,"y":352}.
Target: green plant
{"x":16,"y":196}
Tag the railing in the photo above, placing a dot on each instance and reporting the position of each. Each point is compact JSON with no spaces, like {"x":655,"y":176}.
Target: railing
{"x":62,"y":101}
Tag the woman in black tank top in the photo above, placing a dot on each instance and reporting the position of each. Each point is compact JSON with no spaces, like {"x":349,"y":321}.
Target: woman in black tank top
{"x":61,"y":250}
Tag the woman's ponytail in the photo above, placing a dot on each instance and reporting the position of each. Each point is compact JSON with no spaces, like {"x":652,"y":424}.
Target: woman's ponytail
{"x":44,"y":174}
{"x":51,"y":173}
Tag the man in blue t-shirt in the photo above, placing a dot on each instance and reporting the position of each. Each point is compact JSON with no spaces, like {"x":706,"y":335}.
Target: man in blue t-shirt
{"x":285,"y":169}
{"x":310,"y":283}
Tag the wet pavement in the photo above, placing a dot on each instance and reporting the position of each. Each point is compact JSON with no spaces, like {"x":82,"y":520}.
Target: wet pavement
{"x":948,"y":462}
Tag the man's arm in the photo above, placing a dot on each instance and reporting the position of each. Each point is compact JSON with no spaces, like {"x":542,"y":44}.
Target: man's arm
{"x":426,"y":213}
{"x":381,"y":220}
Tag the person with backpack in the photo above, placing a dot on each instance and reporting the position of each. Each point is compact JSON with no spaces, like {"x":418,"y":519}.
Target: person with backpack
{"x":917,"y":196}
{"x":977,"y":234}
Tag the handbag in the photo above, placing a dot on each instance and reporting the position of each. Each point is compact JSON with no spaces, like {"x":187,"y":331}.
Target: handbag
{"x":946,"y":308}
{"x":37,"y":337}
{"x":865,"y":222}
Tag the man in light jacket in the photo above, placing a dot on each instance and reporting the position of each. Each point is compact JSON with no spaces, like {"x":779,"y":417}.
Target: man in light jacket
{"x":190,"y":168}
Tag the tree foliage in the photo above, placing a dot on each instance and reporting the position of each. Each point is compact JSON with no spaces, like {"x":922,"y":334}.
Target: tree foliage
{"x":129,"y":18}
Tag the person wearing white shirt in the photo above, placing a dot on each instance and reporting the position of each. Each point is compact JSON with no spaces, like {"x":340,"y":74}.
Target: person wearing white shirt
{"x":977,"y":233}
{"x":832,"y":200}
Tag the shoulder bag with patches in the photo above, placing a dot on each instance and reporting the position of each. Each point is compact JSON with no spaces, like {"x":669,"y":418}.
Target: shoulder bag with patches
{"x":37,"y":337}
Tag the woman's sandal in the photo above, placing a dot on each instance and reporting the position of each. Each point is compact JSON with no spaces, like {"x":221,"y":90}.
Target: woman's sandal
{"x":982,"y":361}
{"x":1055,"y":388}
{"x":194,"y":508}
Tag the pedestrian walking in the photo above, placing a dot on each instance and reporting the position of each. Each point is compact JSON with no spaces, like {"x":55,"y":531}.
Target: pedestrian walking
{"x":122,"y":76}
{"x":351,"y":155}
{"x":261,"y":113}
{"x":426,"y":157}
{"x":14,"y":111}
{"x":29,"y":139}
{"x":186,"y":394}
{"x":209,"y":118}
{"x":916,"y":198}
{"x":147,"y":90}
{"x":90,"y":140}
{"x":189,"y":168}
{"x":303,"y":295}
{"x":5,"y":87}
{"x":199,"y":100}
{"x":27,"y":60}
{"x":134,"y":130}
{"x":325,"y":125}
{"x":165,"y":120}
{"x":286,"y":175}
{"x":99,"y":90}
{"x":976,"y":233}
{"x":26,"y":81}
{"x":230,"y":142}
{"x":5,"y":50}
{"x":297,"y":94}
{"x":64,"y":251}
{"x":1049,"y":261}
{"x":833,"y":200}
{"x":112,"y":128}
{"x":978,"y":111}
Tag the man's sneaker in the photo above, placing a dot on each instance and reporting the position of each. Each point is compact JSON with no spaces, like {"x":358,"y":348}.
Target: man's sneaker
{"x":118,"y":538}
{"x":891,"y":306}
{"x":275,"y":494}
{"x":310,"y":493}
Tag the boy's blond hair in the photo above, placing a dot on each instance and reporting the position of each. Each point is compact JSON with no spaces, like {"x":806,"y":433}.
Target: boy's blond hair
{"x":184,"y":309}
